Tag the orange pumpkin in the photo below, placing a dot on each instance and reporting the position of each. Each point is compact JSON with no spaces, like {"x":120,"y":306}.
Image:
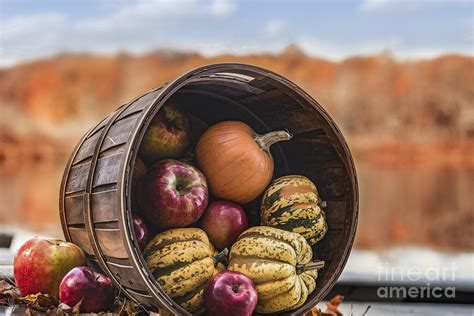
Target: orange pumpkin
{"x":237,"y":161}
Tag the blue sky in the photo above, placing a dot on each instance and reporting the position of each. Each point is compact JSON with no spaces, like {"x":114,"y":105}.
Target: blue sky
{"x":329,"y":29}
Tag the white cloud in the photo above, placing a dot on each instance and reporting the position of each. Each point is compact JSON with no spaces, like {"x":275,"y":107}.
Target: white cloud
{"x":141,"y":26}
{"x":274,"y":27}
{"x":378,"y":6}
{"x":222,"y":7}
{"x":394,"y":46}
{"x":388,"y":5}
{"x":157,"y":13}
{"x":27,"y":37}
{"x":213,"y":48}
{"x":468,"y":24}
{"x":311,"y":46}
{"x":339,"y":51}
{"x":134,"y":27}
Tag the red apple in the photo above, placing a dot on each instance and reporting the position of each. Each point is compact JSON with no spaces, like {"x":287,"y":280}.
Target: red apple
{"x":141,"y":231}
{"x":223,"y":222}
{"x":173,"y":194}
{"x":167,"y":136}
{"x":230,"y":293}
{"x":40,"y":264}
{"x":94,"y":289}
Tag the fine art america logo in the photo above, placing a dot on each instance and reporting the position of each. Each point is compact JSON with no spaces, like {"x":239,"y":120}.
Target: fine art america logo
{"x":422,"y":280}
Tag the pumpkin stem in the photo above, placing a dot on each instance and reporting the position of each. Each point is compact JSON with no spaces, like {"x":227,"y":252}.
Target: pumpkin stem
{"x":221,"y":255}
{"x":268,"y":139}
{"x":315,"y":265}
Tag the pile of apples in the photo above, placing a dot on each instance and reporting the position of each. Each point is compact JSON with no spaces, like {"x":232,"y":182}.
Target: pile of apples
{"x":58,"y":268}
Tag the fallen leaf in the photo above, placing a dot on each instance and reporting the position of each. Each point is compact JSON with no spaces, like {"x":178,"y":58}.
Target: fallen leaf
{"x":331,"y":310}
{"x":314,"y":312}
{"x":124,"y":306}
{"x":77,"y":307}
{"x":40,"y":301}
{"x":333,"y":305}
{"x":317,"y":312}
{"x":64,"y":307}
{"x":70,"y":309}
{"x":9,"y":293}
{"x":337,"y":300}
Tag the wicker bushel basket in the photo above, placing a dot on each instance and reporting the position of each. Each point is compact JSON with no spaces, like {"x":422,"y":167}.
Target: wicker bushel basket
{"x":96,"y":191}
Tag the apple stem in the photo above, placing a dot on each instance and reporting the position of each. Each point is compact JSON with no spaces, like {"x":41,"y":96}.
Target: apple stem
{"x":315,"y":265}
{"x":221,"y":255}
{"x":265,"y":141}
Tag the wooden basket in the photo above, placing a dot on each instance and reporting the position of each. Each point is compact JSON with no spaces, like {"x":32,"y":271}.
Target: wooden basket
{"x":95,"y":198}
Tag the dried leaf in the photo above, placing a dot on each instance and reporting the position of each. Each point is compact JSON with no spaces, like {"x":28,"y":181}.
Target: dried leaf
{"x":40,"y":301}
{"x":77,"y":307}
{"x":65,"y":308}
{"x":39,"y":304}
{"x":333,"y":305}
{"x":124,"y":306}
{"x":317,"y":312}
{"x":9,"y":293}
{"x":314,"y":312}
{"x":336,"y":300}
{"x":71,"y":309}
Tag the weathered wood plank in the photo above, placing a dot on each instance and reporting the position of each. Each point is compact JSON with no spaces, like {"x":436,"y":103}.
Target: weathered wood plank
{"x":111,"y":244}
{"x":101,"y":125}
{"x":127,"y":275}
{"x":74,"y":207}
{"x":295,"y":121}
{"x":226,"y":86}
{"x":79,"y":237}
{"x":145,"y":299}
{"x":309,"y":153}
{"x":331,"y":181}
{"x":335,"y":214}
{"x":140,"y":104}
{"x":103,"y":205}
{"x":119,"y":132}
{"x":107,"y":171}
{"x":329,"y":246}
{"x":77,"y":178}
{"x":87,"y":148}
{"x":270,"y":103}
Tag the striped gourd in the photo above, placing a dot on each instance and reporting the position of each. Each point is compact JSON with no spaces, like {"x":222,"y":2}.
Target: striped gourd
{"x":279,"y":263}
{"x":183,"y":260}
{"x":292,"y":203}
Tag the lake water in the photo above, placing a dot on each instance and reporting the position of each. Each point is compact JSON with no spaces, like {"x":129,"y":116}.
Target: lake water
{"x":432,"y":207}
